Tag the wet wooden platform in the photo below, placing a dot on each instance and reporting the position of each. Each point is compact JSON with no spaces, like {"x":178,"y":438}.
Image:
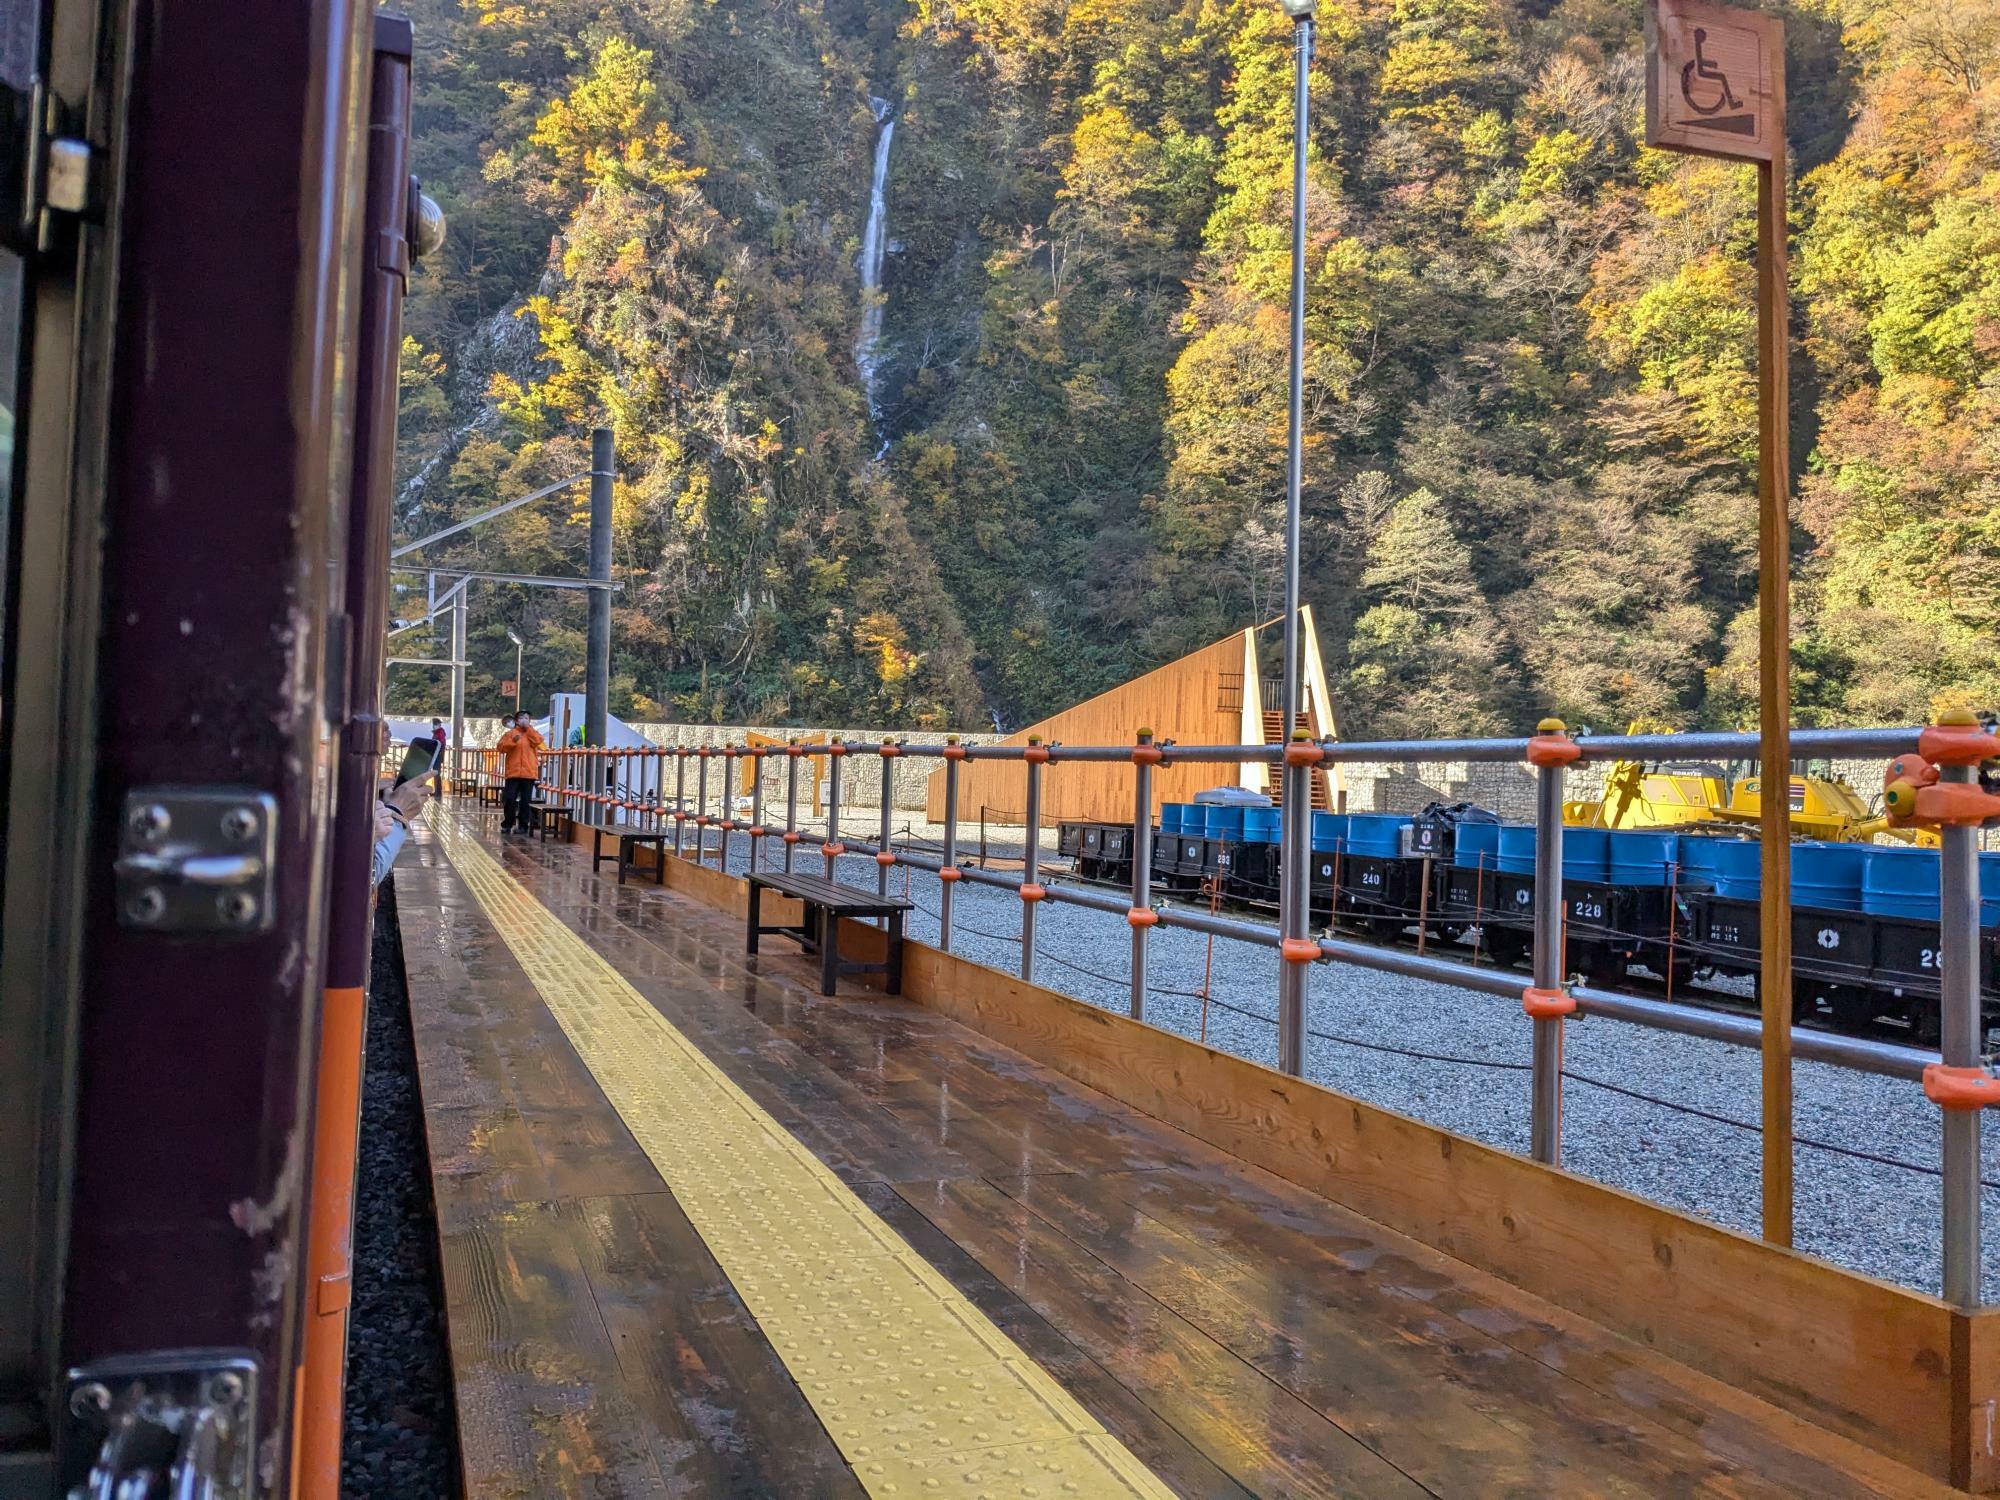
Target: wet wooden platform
{"x":1238,"y":1335}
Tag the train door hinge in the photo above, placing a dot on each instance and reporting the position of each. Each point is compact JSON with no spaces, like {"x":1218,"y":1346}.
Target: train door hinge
{"x":198,"y":860}
{"x":174,"y":1425}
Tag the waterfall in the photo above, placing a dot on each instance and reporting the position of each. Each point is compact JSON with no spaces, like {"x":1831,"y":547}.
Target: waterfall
{"x":874,"y":241}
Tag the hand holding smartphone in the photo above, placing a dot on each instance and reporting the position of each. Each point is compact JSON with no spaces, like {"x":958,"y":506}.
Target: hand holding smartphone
{"x":420,"y":759}
{"x":409,"y":797}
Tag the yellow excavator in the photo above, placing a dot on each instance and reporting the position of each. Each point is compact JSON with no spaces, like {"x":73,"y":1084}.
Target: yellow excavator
{"x":1704,"y":796}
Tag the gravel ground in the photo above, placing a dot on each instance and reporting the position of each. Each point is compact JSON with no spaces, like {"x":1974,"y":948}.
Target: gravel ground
{"x":1877,"y":1218}
{"x":401,"y":1441}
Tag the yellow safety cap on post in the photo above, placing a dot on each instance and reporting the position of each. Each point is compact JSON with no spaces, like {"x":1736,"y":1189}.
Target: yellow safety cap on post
{"x":1552,"y":726}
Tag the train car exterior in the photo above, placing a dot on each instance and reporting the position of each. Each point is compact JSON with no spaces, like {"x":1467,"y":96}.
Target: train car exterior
{"x":1856,"y":971}
{"x":205,"y":234}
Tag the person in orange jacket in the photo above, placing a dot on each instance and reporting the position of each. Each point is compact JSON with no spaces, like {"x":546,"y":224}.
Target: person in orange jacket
{"x":522,"y":746}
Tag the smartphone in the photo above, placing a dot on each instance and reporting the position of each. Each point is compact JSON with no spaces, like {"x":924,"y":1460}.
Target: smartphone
{"x":423,"y":755}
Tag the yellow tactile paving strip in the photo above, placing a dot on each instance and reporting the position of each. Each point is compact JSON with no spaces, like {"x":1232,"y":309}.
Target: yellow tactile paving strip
{"x":920,"y":1392}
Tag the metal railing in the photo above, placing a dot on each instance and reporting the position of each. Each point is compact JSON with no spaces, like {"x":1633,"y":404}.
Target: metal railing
{"x":631,"y":786}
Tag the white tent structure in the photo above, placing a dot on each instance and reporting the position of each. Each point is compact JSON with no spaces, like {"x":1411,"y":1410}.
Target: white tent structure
{"x":566,"y":714}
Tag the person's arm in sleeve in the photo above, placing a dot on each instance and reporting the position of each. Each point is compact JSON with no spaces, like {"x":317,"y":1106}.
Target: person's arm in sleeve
{"x":535,"y":740}
{"x":387,"y":847}
{"x":508,"y":740}
{"x":392,"y":826}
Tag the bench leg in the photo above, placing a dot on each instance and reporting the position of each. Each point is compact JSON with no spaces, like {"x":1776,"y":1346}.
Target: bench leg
{"x":660,"y":862}
{"x":895,"y":976}
{"x":829,"y":952}
{"x":756,"y":905}
{"x":624,"y":857}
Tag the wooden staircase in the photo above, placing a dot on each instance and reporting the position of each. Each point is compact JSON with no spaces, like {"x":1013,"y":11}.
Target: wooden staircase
{"x":1274,"y":734}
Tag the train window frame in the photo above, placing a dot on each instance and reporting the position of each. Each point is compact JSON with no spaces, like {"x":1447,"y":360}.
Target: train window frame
{"x":48,"y":629}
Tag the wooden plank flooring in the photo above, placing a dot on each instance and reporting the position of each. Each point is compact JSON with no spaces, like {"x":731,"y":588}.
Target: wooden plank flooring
{"x":1238,"y":1335}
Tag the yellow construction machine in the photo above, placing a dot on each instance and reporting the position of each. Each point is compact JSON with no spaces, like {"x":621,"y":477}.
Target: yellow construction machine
{"x":1705,"y":796}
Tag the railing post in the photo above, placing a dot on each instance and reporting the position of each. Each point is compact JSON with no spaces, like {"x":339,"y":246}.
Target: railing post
{"x":948,"y":876}
{"x":1546,"y":1002}
{"x":830,"y":850}
{"x":791,"y":801}
{"x":721,"y":817}
{"x":701,"y":805}
{"x":680,"y":797}
{"x":884,"y":856}
{"x":1036,"y":756}
{"x":1294,"y":901}
{"x":756,"y":754}
{"x":1145,"y":756}
{"x":727,"y":809}
{"x":1959,"y":1034}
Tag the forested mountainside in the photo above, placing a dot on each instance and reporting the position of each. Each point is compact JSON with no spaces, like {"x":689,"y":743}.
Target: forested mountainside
{"x":1530,"y":481}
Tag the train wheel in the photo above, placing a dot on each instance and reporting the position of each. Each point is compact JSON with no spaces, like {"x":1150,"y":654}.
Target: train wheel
{"x":1598,"y":963}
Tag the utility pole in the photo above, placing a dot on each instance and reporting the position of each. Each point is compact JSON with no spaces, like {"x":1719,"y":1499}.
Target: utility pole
{"x":1295,"y":842}
{"x":458,"y":685}
{"x":457,"y":599}
{"x":597,"y":648}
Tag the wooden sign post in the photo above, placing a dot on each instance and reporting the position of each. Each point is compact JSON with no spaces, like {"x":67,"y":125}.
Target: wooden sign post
{"x":1715,"y":84}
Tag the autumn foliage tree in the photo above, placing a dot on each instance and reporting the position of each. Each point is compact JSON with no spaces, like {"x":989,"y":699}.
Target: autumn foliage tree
{"x":1530,"y":364}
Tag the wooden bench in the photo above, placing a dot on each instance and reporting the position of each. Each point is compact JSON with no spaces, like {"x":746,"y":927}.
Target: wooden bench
{"x":625,"y":838}
{"x":551,"y":820}
{"x":824,"y":903}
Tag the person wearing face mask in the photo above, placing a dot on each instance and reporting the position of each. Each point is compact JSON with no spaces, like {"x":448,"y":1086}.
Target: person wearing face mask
{"x":521,"y":746}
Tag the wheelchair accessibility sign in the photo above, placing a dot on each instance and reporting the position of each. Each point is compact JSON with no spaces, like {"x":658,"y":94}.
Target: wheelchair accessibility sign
{"x":1714,"y":80}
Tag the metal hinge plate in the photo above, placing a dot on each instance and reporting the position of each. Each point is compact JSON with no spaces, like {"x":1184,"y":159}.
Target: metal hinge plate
{"x":161,"y":1426}
{"x":45,"y":169}
{"x":198,"y":860}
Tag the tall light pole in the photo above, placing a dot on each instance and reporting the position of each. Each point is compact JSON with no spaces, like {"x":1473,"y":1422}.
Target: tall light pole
{"x":516,"y":639}
{"x":1293,"y":892}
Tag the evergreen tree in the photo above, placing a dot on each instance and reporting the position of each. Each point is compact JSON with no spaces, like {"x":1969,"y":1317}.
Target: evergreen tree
{"x":1423,"y":650}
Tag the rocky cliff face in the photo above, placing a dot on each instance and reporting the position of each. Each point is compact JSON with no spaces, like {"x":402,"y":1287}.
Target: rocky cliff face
{"x":944,"y":341}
